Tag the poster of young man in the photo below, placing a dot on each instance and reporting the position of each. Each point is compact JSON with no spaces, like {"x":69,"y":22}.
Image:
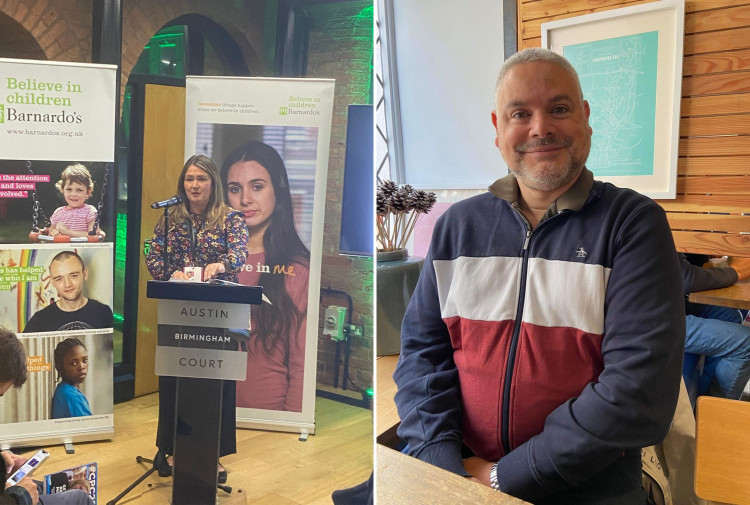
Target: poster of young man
{"x":272,"y":153}
{"x":52,"y":288}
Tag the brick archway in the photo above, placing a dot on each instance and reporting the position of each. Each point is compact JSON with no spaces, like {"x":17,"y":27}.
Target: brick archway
{"x":59,"y":31}
{"x":143,"y":18}
{"x":17,"y":42}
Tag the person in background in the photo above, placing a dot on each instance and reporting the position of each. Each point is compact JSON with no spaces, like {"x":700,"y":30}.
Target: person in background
{"x":717,"y":332}
{"x":542,"y":347}
{"x":256,"y":184}
{"x":203,"y":232}
{"x":72,"y":365}
{"x":13,"y":373}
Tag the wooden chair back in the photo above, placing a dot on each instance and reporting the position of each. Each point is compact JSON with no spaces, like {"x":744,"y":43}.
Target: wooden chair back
{"x":722,"y":463}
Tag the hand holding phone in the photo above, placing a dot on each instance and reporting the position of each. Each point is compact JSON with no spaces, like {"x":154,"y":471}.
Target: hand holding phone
{"x":28,"y":468}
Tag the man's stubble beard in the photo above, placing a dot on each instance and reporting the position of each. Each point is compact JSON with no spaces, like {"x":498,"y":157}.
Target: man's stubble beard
{"x":78,"y":297}
{"x":555,"y":176}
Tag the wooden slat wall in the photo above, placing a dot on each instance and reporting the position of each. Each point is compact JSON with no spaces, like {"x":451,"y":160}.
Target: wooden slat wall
{"x":711,"y":213}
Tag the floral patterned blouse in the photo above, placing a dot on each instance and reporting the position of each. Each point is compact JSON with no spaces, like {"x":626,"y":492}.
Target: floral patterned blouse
{"x":225,"y":244}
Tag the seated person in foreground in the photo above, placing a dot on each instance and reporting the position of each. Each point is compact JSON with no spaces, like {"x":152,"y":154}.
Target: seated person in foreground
{"x":13,"y":373}
{"x":546,"y":332}
{"x":717,"y":332}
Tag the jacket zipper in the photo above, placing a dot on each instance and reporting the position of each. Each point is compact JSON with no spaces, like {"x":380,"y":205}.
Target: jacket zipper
{"x":505,"y":437}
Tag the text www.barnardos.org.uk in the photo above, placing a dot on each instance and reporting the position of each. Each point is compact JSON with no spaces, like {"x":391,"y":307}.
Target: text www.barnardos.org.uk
{"x":45,"y":133}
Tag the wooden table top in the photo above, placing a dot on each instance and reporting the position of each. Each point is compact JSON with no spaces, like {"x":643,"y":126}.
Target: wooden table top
{"x":736,"y":296}
{"x":403,"y":480}
{"x":722,"y":474}
{"x":386,"y":419}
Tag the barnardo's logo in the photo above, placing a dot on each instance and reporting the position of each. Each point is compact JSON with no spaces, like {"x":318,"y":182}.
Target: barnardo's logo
{"x":301,"y":106}
{"x":23,"y":92}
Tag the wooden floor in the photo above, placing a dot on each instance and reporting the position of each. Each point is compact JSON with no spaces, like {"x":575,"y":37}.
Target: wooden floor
{"x":270,"y":468}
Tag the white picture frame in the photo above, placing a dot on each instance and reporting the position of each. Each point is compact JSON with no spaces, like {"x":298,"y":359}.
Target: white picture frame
{"x":629,"y":61}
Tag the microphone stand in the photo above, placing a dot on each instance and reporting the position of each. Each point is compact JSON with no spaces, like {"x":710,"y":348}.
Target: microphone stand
{"x":166,"y":256}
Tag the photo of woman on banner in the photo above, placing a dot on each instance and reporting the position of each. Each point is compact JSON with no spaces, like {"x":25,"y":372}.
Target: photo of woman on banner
{"x":204,"y":233}
{"x":72,"y":366}
{"x":257,"y":184}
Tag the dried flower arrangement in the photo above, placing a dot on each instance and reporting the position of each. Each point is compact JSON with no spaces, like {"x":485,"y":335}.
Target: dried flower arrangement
{"x":397,"y":211}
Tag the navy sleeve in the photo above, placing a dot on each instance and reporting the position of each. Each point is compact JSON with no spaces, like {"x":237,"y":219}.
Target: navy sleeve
{"x":15,"y":495}
{"x":633,"y":402}
{"x":428,"y":397}
{"x":695,"y":278}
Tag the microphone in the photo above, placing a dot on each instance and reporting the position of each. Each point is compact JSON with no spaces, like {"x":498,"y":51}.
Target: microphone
{"x":169,"y":202}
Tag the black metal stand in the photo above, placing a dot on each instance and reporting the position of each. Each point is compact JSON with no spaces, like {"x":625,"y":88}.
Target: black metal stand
{"x":166,"y":256}
{"x":141,"y":459}
{"x":138,"y":459}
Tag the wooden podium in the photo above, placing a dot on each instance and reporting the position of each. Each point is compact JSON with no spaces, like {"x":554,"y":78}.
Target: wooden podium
{"x":197,"y":344}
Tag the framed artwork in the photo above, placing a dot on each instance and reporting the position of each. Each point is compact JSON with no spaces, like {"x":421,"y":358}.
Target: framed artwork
{"x":629,"y":62}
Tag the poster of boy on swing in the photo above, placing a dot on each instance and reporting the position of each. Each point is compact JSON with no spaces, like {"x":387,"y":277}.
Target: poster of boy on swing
{"x":54,"y":201}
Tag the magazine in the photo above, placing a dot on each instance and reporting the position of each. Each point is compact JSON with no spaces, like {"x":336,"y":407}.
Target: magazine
{"x":81,"y":477}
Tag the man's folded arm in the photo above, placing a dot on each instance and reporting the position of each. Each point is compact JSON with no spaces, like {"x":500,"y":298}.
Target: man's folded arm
{"x":428,"y":397}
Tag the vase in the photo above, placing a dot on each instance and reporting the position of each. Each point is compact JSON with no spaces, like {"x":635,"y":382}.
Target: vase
{"x":396,"y":277}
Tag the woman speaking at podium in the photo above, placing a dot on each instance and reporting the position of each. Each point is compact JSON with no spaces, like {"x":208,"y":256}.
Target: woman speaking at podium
{"x":257,"y":184}
{"x":205,"y":237}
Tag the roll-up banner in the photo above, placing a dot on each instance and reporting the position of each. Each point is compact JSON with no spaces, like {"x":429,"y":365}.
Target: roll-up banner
{"x":57,"y":132}
{"x":270,"y":139}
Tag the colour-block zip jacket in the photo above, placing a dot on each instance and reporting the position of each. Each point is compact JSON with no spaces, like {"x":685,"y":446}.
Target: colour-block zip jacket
{"x":553,"y":350}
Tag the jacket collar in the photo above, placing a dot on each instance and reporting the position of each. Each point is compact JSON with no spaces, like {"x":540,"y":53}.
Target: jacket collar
{"x":574,"y":198}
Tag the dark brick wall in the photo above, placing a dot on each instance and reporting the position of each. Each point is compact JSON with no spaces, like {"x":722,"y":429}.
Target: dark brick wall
{"x":62,"y":29}
{"x":340,"y":46}
{"x":141,"y":19}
